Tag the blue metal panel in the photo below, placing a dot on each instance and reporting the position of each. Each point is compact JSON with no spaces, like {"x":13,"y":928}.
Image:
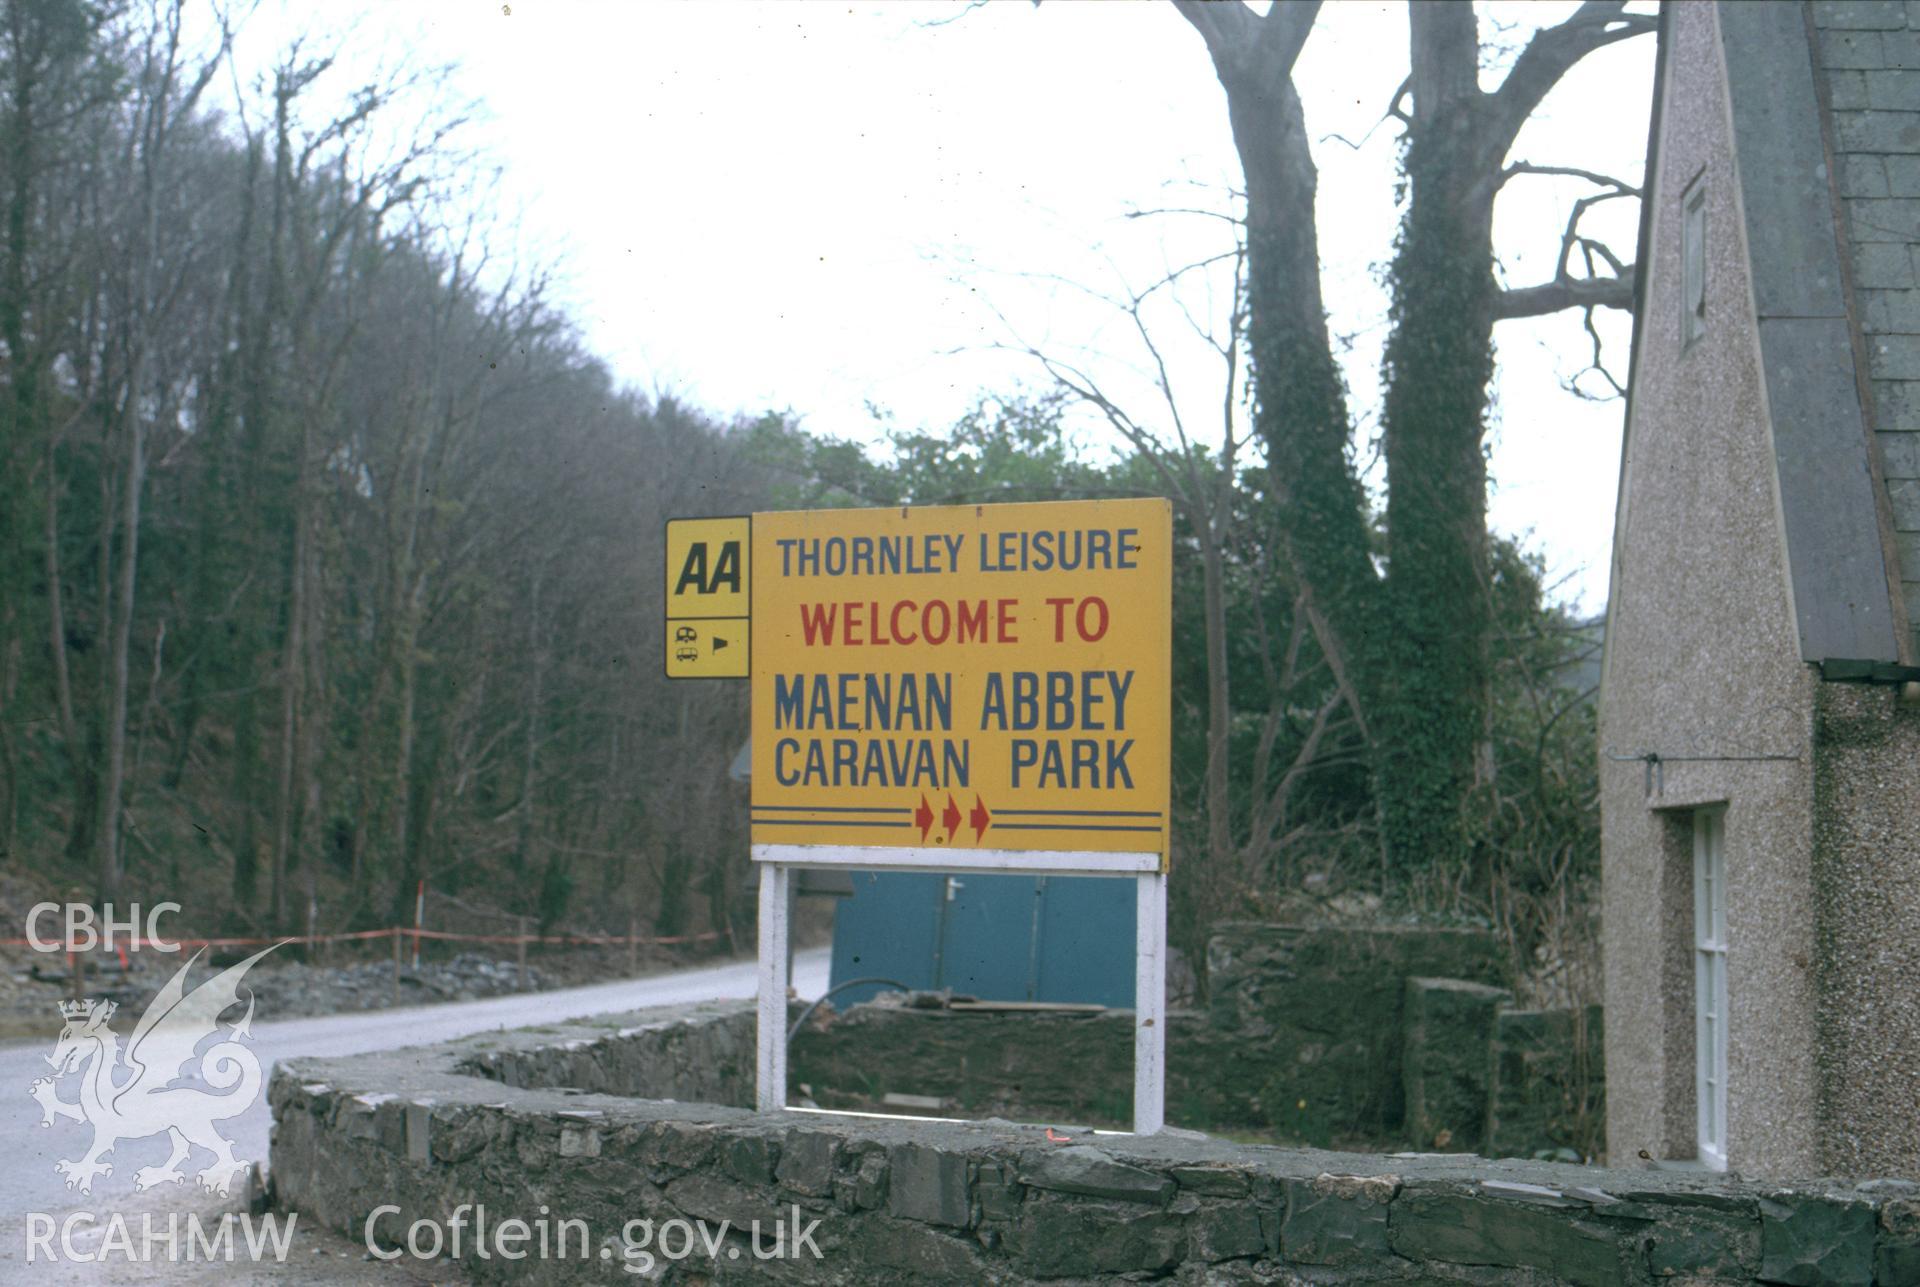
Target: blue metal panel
{"x":887,"y":929}
{"x":999,"y":938}
{"x":985,"y":937}
{"x":1087,"y":941}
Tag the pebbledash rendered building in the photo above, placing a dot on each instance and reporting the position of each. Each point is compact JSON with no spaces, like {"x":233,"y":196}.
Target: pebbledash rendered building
{"x":1760,"y":715}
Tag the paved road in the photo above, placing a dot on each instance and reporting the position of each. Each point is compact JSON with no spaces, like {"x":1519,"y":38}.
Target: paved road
{"x":28,"y":1181}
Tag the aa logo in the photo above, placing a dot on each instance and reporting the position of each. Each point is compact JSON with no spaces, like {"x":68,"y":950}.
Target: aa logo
{"x":709,"y":594}
{"x":704,"y":576}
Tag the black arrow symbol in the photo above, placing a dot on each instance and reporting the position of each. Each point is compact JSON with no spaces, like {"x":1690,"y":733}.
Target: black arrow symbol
{"x":718,"y":643}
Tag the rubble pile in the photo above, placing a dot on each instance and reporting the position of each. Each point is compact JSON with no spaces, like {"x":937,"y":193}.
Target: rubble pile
{"x":282,"y":989}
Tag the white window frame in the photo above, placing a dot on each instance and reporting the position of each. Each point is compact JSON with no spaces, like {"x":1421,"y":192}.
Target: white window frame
{"x":1693,"y":263}
{"x":1710,"y":986}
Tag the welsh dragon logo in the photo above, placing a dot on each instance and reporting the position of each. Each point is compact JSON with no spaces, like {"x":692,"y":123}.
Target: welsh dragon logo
{"x":148,"y":1090}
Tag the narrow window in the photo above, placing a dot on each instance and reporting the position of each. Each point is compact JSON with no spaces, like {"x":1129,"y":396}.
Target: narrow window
{"x":1710,"y":984}
{"x":1693,"y":259}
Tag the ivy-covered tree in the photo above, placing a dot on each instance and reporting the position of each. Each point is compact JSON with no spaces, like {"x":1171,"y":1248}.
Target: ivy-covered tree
{"x":1410,"y":642}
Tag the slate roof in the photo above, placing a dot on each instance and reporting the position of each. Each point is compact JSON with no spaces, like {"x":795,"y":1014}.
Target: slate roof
{"x":1868,"y":55}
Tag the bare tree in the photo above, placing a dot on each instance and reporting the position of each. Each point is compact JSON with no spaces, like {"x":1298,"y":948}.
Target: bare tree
{"x":169,"y":84}
{"x":1250,"y":819}
{"x":54,"y":93}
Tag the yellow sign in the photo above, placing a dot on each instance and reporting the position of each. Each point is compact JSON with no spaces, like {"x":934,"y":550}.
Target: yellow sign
{"x":709,"y":591}
{"x":979,"y":677}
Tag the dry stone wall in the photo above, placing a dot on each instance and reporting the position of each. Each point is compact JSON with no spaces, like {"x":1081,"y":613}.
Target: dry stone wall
{"x":1324,"y":1036}
{"x":1320,"y":1011}
{"x":423,"y":1139}
{"x":700,"y":1053}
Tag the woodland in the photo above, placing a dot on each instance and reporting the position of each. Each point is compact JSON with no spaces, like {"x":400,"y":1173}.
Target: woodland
{"x":329,"y":553}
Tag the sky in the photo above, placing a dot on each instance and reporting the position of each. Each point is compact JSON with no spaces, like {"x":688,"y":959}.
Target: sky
{"x":836,"y":210}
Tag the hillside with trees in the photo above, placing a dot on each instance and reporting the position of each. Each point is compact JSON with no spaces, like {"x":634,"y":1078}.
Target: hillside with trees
{"x":329,"y":553}
{"x":330,"y":557}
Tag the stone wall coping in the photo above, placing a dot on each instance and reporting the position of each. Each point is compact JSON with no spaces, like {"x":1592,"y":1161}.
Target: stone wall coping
{"x":444,"y":1079}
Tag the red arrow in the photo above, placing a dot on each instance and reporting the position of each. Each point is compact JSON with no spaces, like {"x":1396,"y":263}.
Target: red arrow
{"x":980,"y":818}
{"x":951,"y":816}
{"x":923,"y":816}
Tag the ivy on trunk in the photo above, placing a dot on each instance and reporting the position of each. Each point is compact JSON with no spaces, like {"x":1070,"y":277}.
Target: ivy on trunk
{"x":1409,"y":638}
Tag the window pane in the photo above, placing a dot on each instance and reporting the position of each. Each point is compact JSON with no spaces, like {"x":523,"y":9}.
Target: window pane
{"x":1710,"y":984}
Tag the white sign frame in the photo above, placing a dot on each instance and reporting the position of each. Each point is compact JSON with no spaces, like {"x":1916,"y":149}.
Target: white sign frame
{"x":777,"y":862}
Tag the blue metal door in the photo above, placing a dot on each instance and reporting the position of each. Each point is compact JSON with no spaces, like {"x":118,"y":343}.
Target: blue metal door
{"x":988,"y":948}
{"x":999,"y":938}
